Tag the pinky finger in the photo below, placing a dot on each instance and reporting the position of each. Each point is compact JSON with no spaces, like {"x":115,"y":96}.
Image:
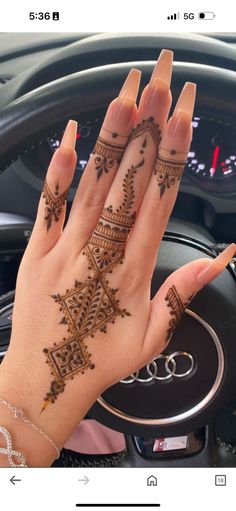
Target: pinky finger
{"x":52,"y":205}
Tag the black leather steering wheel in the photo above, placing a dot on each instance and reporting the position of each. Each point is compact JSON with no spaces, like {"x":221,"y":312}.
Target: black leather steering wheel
{"x":111,"y":48}
{"x":176,"y":405}
{"x":39,"y":110}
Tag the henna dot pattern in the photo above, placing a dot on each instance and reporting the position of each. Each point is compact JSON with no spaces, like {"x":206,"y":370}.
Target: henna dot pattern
{"x":168,"y":173}
{"x":89,"y":306}
{"x":107,"y":155}
{"x":177,"y":309}
{"x":147,"y":126}
{"x":54,"y":202}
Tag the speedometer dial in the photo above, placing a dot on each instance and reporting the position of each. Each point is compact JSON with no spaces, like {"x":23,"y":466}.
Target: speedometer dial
{"x":212,"y":158}
{"x":211,"y":161}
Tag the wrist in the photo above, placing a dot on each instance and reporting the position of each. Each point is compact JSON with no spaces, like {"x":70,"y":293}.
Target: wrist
{"x":25,"y":389}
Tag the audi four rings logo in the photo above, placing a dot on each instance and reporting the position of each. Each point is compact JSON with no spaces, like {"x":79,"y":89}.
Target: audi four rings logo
{"x":170,"y":366}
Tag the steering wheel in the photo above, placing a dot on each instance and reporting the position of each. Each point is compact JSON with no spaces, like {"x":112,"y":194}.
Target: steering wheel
{"x":190,"y":384}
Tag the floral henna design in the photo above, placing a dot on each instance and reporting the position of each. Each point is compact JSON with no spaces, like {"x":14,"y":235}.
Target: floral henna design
{"x":177,"y":310}
{"x":90,"y":305}
{"x":147,"y":126}
{"x":128,"y":188}
{"x":86,"y":308}
{"x":54,"y":203}
{"x":107,"y":155}
{"x":106,"y":246}
{"x":168,"y":173}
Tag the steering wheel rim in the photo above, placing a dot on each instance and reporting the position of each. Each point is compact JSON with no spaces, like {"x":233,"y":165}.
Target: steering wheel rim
{"x":41,"y":109}
{"x":108,"y":48}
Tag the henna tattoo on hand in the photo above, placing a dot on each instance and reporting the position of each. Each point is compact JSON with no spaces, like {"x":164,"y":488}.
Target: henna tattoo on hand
{"x":114,"y":134}
{"x":108,"y":155}
{"x":168,"y":173}
{"x":128,"y":188}
{"x":177,"y":310}
{"x":172,"y":152}
{"x":87,"y":308}
{"x":106,"y":246}
{"x":90,"y":305}
{"x":54,"y":203}
{"x":147,"y":126}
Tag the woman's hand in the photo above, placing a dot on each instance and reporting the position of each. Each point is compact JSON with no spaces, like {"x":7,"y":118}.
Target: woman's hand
{"x":83,"y":318}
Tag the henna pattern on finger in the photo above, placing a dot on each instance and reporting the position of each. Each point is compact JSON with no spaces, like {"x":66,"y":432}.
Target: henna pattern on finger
{"x":91,"y":305}
{"x":147,"y":126}
{"x":172,"y":152}
{"x":168,"y":173}
{"x":107,"y":155}
{"x":106,"y":246}
{"x":54,"y":203}
{"x":114,"y":134}
{"x":177,"y":307}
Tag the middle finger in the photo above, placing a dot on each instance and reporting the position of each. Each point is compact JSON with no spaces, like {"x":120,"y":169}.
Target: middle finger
{"x":140,"y":155}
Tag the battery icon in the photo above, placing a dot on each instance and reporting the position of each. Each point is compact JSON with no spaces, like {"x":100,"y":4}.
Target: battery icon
{"x":206,"y":15}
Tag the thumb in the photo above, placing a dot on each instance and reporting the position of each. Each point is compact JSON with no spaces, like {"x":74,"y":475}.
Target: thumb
{"x":169,"y":303}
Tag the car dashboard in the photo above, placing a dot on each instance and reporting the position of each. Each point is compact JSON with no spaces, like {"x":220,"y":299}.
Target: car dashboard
{"x":208,"y":188}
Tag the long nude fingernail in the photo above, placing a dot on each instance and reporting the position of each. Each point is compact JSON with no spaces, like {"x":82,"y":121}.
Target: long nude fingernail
{"x":186,"y":100}
{"x":130,"y":88}
{"x":216,"y":266}
{"x":163,"y":69}
{"x":180,"y":126}
{"x":180,"y":122}
{"x":68,"y":140}
{"x":121,"y":109}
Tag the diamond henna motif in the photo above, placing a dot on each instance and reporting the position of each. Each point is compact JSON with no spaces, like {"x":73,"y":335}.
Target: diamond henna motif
{"x":67,"y":358}
{"x":90,"y":305}
{"x":87,"y":308}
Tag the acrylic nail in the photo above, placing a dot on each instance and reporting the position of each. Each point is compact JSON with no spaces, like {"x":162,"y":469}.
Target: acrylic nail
{"x":156,"y":94}
{"x":180,"y":126}
{"x":120,"y":110}
{"x":216,"y":266}
{"x":163,"y":68}
{"x":186,"y":100}
{"x":68,"y":140}
{"x":130,"y":88}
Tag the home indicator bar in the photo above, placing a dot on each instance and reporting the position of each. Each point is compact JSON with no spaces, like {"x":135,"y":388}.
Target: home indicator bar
{"x":118,"y":505}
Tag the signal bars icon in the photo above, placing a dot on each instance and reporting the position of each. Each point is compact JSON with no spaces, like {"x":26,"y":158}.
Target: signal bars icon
{"x":174,"y":16}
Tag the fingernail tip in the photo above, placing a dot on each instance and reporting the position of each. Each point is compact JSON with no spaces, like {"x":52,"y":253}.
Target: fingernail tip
{"x":69,"y":136}
{"x":135,"y":70}
{"x":72,"y":122}
{"x":227,"y":254}
{"x":167,"y":53}
{"x":163,"y":67}
{"x":131,"y":84}
{"x":191,"y":88}
{"x":232,"y":248}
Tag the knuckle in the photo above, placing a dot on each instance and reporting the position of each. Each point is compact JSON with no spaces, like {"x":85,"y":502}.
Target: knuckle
{"x":133,"y":277}
{"x":92,"y":202}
